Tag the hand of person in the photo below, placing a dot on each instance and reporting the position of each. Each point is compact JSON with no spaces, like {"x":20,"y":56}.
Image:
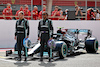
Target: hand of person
{"x":26,"y":37}
{"x":33,"y":12}
{"x":56,"y":12}
{"x":15,"y":37}
{"x":51,"y":38}
{"x":39,"y":38}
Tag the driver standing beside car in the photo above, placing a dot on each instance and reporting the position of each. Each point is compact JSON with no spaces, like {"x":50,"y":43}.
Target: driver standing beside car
{"x":22,"y":31}
{"x":45,"y":33}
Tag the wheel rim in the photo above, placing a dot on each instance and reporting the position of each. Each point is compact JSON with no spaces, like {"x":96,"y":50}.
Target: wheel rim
{"x":64,"y":50}
{"x":96,"y":45}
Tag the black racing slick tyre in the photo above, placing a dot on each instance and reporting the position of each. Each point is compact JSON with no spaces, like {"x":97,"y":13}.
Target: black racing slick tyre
{"x":91,"y":45}
{"x":63,"y":51}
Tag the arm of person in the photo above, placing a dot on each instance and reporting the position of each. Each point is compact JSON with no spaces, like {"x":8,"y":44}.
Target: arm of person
{"x":28,"y":28}
{"x":81,"y":13}
{"x":40,"y":15}
{"x":34,"y":13}
{"x":11,"y":14}
{"x":54,"y":14}
{"x":4,"y":14}
{"x":76,"y":13}
{"x":29,"y":14}
{"x":51,"y":30}
{"x":39,"y":27}
{"x":15,"y":30}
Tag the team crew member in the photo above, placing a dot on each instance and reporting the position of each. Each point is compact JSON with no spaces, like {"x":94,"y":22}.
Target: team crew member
{"x":7,"y":12}
{"x":78,"y":12}
{"x":35,"y":13}
{"x":21,"y":9}
{"x":56,"y":13}
{"x":40,"y":13}
{"x":66,"y":12}
{"x":90,"y":14}
{"x":22,"y":26}
{"x":27,"y":12}
{"x":45,"y":33}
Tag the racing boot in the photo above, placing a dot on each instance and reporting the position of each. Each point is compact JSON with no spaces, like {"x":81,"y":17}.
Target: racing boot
{"x":19,"y":59}
{"x":49,"y":59}
{"x":41,"y":59}
{"x":25,"y":59}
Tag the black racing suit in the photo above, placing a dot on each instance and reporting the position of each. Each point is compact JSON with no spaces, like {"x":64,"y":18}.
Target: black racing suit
{"x":22,"y":30}
{"x":45,"y":31}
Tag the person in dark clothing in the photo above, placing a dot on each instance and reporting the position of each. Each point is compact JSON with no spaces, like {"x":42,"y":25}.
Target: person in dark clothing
{"x":45,"y":33}
{"x":22,"y":31}
{"x":78,"y":12}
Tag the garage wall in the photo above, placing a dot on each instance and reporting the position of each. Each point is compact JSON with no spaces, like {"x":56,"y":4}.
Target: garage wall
{"x":7,"y":29}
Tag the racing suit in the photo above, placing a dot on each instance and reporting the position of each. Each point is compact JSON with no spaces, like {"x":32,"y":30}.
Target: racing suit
{"x":45,"y":31}
{"x":22,"y":26}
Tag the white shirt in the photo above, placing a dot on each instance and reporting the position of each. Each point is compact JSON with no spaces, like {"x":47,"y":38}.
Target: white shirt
{"x":98,"y":16}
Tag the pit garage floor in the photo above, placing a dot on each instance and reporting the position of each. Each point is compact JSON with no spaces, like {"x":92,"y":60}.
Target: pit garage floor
{"x":79,"y":59}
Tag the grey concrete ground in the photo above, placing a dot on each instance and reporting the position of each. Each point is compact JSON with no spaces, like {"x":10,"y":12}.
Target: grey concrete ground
{"x":79,"y":59}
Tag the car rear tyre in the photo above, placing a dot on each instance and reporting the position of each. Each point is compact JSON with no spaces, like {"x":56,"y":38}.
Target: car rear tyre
{"x":91,"y":46}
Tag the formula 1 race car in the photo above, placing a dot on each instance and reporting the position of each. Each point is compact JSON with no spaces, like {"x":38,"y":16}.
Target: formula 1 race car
{"x":58,"y":48}
{"x":66,"y":42}
{"x":76,"y":39}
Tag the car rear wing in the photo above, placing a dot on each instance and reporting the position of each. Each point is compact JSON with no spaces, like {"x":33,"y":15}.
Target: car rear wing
{"x":85,"y":32}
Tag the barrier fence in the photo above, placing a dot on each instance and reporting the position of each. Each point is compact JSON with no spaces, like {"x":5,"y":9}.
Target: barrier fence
{"x":62,"y":13}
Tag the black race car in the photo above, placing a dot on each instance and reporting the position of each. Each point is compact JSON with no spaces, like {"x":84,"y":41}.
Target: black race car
{"x":76,"y":39}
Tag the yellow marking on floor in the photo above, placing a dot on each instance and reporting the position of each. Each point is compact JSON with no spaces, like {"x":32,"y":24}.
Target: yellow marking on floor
{"x":2,"y":57}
